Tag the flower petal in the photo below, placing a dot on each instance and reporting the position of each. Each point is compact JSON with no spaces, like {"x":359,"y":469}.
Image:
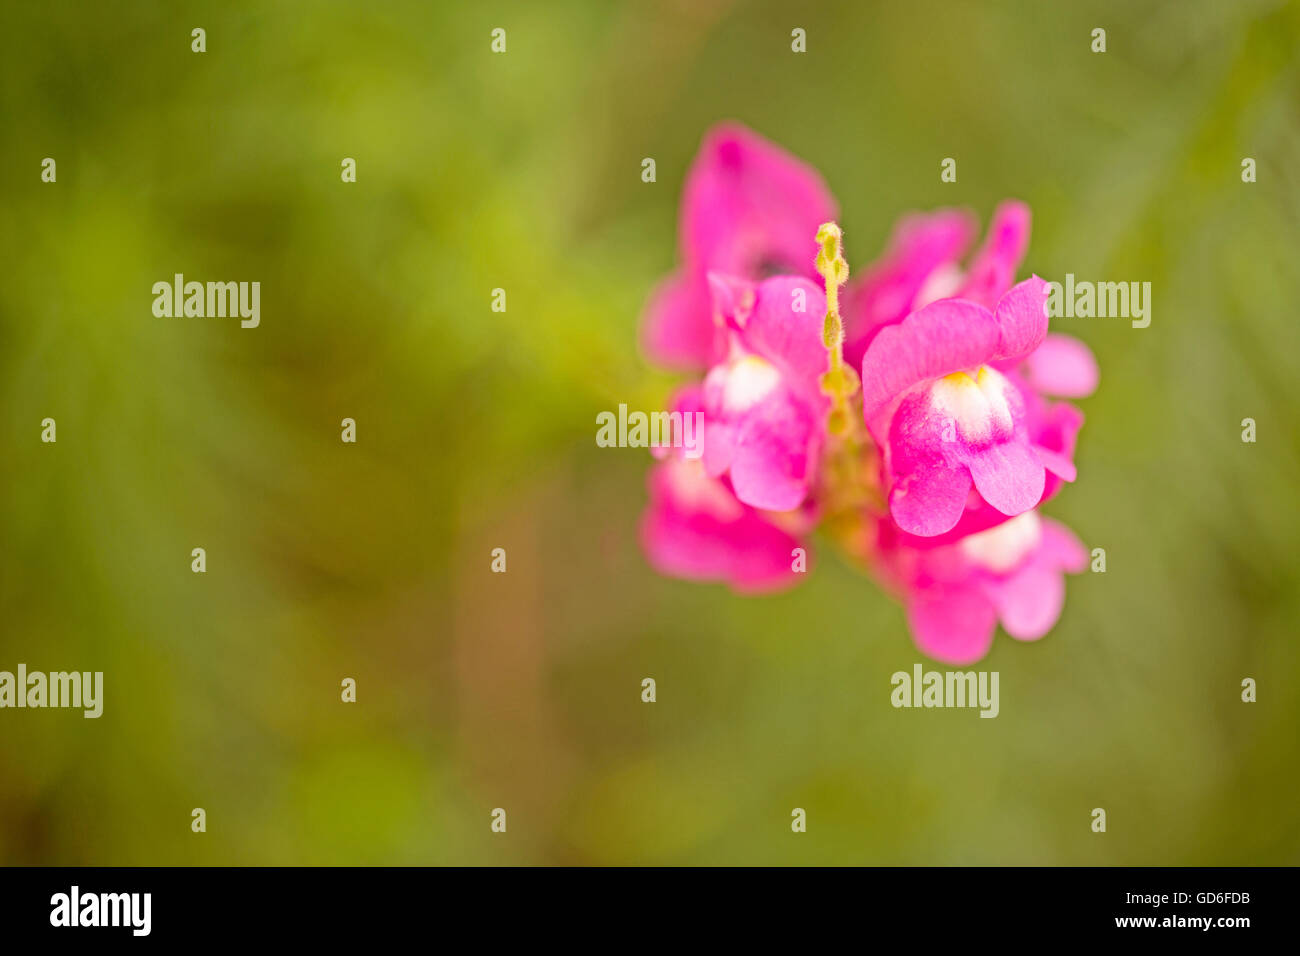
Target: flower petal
{"x":944,"y":337}
{"x":749,"y":205}
{"x":677,"y":329}
{"x":1009,"y":476}
{"x":790,"y":339}
{"x":771,"y":466}
{"x":695,"y":528}
{"x":1063,"y":366}
{"x":930,"y":500}
{"x":1022,"y":319}
{"x":1028,"y":601}
{"x":922,"y":245}
{"x":953,"y":624}
{"x":1058,"y":464}
{"x":1061,"y":548}
{"x":686,"y":400}
{"x":993,"y":269}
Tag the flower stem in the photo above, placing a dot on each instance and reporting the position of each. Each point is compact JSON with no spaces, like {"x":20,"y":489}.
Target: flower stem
{"x":848,"y":487}
{"x":839,"y":382}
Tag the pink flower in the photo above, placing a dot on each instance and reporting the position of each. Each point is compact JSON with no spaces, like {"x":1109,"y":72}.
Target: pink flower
{"x":764,"y":413}
{"x":945,"y":419}
{"x":955,"y":595}
{"x":922,"y":265}
{"x":964,"y":438}
{"x":749,"y":209}
{"x":696,"y":528}
{"x":1053,"y":429}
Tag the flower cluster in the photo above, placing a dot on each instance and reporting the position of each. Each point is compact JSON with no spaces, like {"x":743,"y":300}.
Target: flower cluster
{"x":913,"y":415}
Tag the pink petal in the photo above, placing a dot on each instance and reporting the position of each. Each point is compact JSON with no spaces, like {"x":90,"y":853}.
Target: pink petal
{"x":921,"y":244}
{"x":1009,"y":476}
{"x":687,"y":400}
{"x":952,"y":624}
{"x":749,"y":204}
{"x":981,"y":516}
{"x":1064,"y":366}
{"x":1022,"y":319}
{"x":1056,"y":463}
{"x":1055,"y":434}
{"x":929,"y":500}
{"x":677,"y":329}
{"x":790,"y":340}
{"x":928,"y":488}
{"x":1029,"y":600}
{"x":732,"y":298}
{"x":695,"y":528}
{"x":771,"y":467}
{"x":1059,"y":428}
{"x":1060,"y":548}
{"x":719,"y":446}
{"x":944,"y":337}
{"x":993,"y":269}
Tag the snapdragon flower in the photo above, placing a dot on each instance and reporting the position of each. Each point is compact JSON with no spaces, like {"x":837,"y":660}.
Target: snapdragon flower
{"x":929,"y":469}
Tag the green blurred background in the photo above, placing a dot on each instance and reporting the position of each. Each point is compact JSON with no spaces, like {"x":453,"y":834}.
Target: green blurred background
{"x":476,"y":430}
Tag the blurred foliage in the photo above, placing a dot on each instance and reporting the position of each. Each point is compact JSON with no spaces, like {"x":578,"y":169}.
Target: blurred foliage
{"x":522,"y":171}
